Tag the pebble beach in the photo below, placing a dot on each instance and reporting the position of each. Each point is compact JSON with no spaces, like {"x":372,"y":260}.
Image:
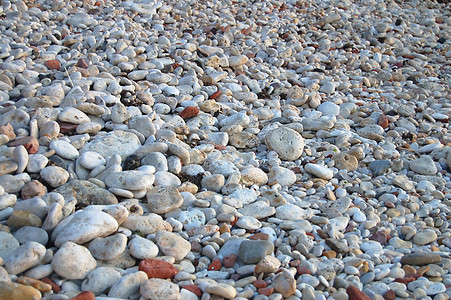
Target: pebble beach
{"x":196,"y":150}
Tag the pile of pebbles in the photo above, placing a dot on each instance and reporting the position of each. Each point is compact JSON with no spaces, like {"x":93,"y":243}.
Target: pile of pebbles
{"x":225,"y":149}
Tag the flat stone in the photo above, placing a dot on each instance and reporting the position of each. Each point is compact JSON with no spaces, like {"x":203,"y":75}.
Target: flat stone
{"x":24,"y":257}
{"x":109,"y":247}
{"x":100,"y":279}
{"x":319,"y":171}
{"x":162,"y":199}
{"x":130,"y":180}
{"x":142,"y":248}
{"x":128,"y":285}
{"x":86,"y":193}
{"x":116,"y":142}
{"x":172,"y":244}
{"x":421,"y":258}
{"x":252,"y":251}
{"x":148,"y":224}
{"x":156,"y":288}
{"x":423,"y":165}
{"x":12,"y":290}
{"x":8,"y":243}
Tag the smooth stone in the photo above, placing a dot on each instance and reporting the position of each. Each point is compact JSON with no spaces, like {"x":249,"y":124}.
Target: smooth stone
{"x":86,"y":193}
{"x":8,"y":243}
{"x":221,"y":290}
{"x":423,"y":165}
{"x":91,"y":160}
{"x":322,"y":172}
{"x":55,"y":176}
{"x":128,"y":285}
{"x":288,"y":143}
{"x":12,"y":290}
{"x":248,"y":223}
{"x":420,"y":258}
{"x":156,"y":159}
{"x":21,"y":157}
{"x":12,"y":184}
{"x":7,"y":200}
{"x":84,"y":226}
{"x":142,"y":248}
{"x":116,"y":142}
{"x":23,"y":258}
{"x":282,"y":176}
{"x":329,"y":108}
{"x":172,"y":244}
{"x":73,"y":115}
{"x":8,"y":166}
{"x":379,"y":167}
{"x":156,"y":288}
{"x":164,"y":178}
{"x":258,"y":210}
{"x":253,"y":175}
{"x":36,"y":205}
{"x":64,"y":149}
{"x":72,"y":261}
{"x":346,"y":161}
{"x":191,"y":218}
{"x":36,"y":162}
{"x":31,"y":234}
{"x":109,"y":247}
{"x":162,"y":199}
{"x":130,"y":180}
{"x":291,"y":212}
{"x":424,"y":237}
{"x":20,"y":218}
{"x":252,"y":251}
{"x":100,"y":279}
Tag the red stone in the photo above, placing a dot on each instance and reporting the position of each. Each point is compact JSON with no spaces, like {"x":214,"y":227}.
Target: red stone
{"x":405,"y":280}
{"x":29,"y":142}
{"x":82,"y":63}
{"x":390,"y":295}
{"x":380,"y":237}
{"x":295,"y":263}
{"x":259,"y":284}
{"x":229,"y":260}
{"x":356,"y":294}
{"x":193,"y":289}
{"x":53,"y":64}
{"x":8,"y":130}
{"x":56,"y":289}
{"x":215,"y":265}
{"x":267,"y":291}
{"x":86,"y":295}
{"x":215,"y":94}
{"x":66,"y":127}
{"x":303,"y":270}
{"x":260,"y":236}
{"x":189,"y":112}
{"x":219,"y":147}
{"x":382,"y":121}
{"x":33,"y":189}
{"x":155,"y":268}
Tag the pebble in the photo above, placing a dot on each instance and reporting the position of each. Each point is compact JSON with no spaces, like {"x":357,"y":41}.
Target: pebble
{"x":24,"y":257}
{"x":252,"y":251}
{"x":73,"y":261}
{"x":155,"y":288}
{"x":172,"y":244}
{"x":288,"y":143}
{"x":100,"y":279}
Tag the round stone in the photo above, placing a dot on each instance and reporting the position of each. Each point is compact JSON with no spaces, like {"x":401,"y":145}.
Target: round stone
{"x":23,"y":258}
{"x":100,"y":279}
{"x":156,"y":288}
{"x":72,"y":261}
{"x":288,"y":143}
{"x":142,"y":248}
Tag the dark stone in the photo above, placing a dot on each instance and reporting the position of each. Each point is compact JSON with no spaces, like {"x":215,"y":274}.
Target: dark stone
{"x":251,"y":252}
{"x":379,"y":167}
{"x":132,"y":162}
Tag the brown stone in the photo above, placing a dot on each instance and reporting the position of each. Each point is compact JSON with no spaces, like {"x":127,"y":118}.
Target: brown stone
{"x":356,"y":294}
{"x":330,"y":254}
{"x":380,"y":237}
{"x":20,"y":218}
{"x":267,"y":291}
{"x":303,"y":270}
{"x":8,"y":130}
{"x":29,"y":142}
{"x":215,"y":265}
{"x":383,"y":121}
{"x":193,"y":289}
{"x":37,"y":284}
{"x":390,"y":295}
{"x":189,"y":112}
{"x":155,"y":268}
{"x":52,"y":64}
{"x":260,"y":283}
{"x":33,"y":189}
{"x":260,"y":236}
{"x":12,"y":290}
{"x":409,"y":270}
{"x":229,"y":260}
{"x":86,"y":295}
{"x":56,"y":288}
{"x":81,"y":63}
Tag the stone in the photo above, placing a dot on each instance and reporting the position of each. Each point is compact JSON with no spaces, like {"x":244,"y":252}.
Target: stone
{"x":222,"y":290}
{"x":253,"y":175}
{"x":29,"y":142}
{"x":156,"y":288}
{"x":20,"y":218}
{"x":284,"y":283}
{"x":282,"y":176}
{"x":72,"y":261}
{"x":189,"y":112}
{"x":24,"y":257}
{"x":142,"y":248}
{"x":128,"y":285}
{"x":100,"y":279}
{"x":288,"y":143}
{"x":319,"y":171}
{"x":86,"y":295}
{"x":355,"y":294}
{"x":162,"y":199}
{"x":379,"y":167}
{"x":268,"y":264}
{"x":86,"y":193}
{"x":31,"y":234}
{"x":55,"y":176}
{"x":109,"y":247}
{"x":73,"y":115}
{"x":423,"y":165}
{"x":252,"y":251}
{"x":52,"y":64}
{"x":32,"y":189}
{"x":148,"y":224}
{"x":8,"y":130}
{"x":344,"y":161}
{"x":64,"y":149}
{"x":91,"y":160}
{"x":83,"y":226}
{"x":424,"y":237}
{"x":8,"y":166}
{"x":8,"y":243}
{"x":21,"y":157}
{"x":37,"y":284}
{"x":130,"y":180}
{"x":291,"y":212}
{"x":12,"y":290}
{"x":157,"y":268}
{"x":172,"y":244}
{"x":116,"y":142}
{"x":420,"y":258}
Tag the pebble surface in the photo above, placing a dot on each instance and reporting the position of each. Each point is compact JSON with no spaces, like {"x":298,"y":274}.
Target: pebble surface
{"x":153,"y":149}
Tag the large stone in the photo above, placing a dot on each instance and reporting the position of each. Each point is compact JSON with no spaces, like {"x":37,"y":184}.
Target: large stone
{"x":162,"y":199}
{"x":146,"y":224}
{"x":156,"y":288}
{"x":252,"y":251}
{"x":8,"y":243}
{"x":100,"y":279}
{"x":130,"y":180}
{"x":72,"y":261}
{"x":83,"y":227}
{"x":423,"y":165}
{"x":288,"y":143}
{"x":26,"y":256}
{"x":421,"y":258}
{"x":115,"y":142}
{"x":12,"y":290}
{"x":172,"y":244}
{"x":86,"y":193}
{"x":109,"y":247}
{"x":127,"y":285}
